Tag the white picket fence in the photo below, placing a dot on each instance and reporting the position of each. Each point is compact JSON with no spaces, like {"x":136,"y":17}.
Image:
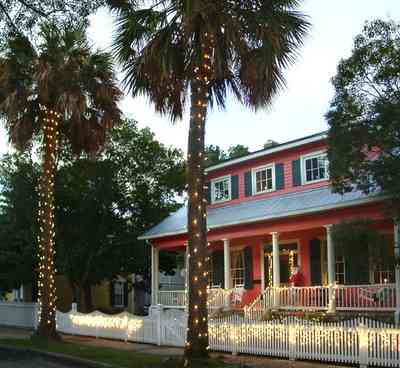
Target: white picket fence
{"x":358,"y":341}
{"x":161,"y":327}
{"x":17,"y":314}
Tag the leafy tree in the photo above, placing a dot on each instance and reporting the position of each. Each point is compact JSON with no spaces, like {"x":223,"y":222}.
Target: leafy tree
{"x":214,"y":154}
{"x":19,"y":177}
{"x":364,"y":136}
{"x":168,"y":48}
{"x":103,"y":205}
{"x":60,"y":86}
{"x":362,"y":246}
{"x":237,"y":151}
{"x":22,"y":16}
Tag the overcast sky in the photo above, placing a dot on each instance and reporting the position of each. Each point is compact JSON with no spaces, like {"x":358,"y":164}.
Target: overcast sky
{"x":299,"y":110}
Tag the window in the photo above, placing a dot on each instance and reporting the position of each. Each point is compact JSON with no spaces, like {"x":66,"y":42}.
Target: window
{"x":237,"y":269}
{"x":210,"y":273}
{"x":119,"y":293}
{"x":382,"y":267}
{"x":221,"y":189}
{"x":315,"y":167}
{"x":340,"y":270}
{"x":264,"y":179}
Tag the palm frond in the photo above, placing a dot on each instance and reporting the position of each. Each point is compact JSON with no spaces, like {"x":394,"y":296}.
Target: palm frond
{"x":159,"y":45}
{"x":63,"y":73}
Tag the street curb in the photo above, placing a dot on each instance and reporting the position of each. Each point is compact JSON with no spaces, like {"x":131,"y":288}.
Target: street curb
{"x":57,"y":357}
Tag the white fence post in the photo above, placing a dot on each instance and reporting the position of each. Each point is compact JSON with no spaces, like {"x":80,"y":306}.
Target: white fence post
{"x":292,"y":338}
{"x":234,"y":325}
{"x":159,"y":327}
{"x":363,"y":344}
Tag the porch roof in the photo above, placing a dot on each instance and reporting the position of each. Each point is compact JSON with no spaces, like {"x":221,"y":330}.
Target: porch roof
{"x":280,"y":206}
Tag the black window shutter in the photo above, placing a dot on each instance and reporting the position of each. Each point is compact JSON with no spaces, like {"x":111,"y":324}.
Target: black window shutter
{"x":248,"y":268}
{"x":111,"y":293}
{"x":248,"y":187}
{"x":126,"y":294}
{"x":279,"y":177}
{"x":235,"y":187}
{"x":296,"y":172}
{"x":357,"y":269}
{"x":207,"y":192}
{"x":315,"y":262}
{"x":218,"y":268}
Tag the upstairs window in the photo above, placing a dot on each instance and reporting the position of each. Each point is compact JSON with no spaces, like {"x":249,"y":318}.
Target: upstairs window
{"x":264,"y":179}
{"x":315,"y":167}
{"x":221,"y":189}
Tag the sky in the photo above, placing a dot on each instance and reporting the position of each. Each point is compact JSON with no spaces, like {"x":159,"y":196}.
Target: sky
{"x":298,"y":111}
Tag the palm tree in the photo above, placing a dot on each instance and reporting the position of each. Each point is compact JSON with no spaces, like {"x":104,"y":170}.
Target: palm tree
{"x":58,"y":87}
{"x":172,"y":49}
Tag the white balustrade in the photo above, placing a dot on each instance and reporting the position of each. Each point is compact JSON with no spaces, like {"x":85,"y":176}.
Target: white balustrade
{"x":379,"y":297}
{"x":216,"y":298}
{"x":172,"y":298}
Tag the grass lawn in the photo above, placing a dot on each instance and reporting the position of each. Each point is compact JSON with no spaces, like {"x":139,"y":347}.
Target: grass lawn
{"x":125,"y":359}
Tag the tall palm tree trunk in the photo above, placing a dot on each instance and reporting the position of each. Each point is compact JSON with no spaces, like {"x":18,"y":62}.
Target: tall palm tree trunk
{"x":47,"y":290}
{"x":197,"y":333}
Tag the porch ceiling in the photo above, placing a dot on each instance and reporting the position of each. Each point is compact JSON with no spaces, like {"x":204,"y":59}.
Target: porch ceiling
{"x":280,"y":206}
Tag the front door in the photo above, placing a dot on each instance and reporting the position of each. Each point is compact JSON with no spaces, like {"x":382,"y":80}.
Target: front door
{"x":288,"y":258}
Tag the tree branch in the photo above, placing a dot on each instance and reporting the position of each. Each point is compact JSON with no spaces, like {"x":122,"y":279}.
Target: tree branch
{"x":12,"y":24}
{"x":33,"y":8}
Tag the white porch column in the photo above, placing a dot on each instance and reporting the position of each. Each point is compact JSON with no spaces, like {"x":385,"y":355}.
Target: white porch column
{"x":276,"y":270}
{"x":276,"y":277}
{"x":227,"y":264}
{"x":227,"y":271}
{"x":154,"y":274}
{"x":397,"y":270}
{"x":331,"y":269}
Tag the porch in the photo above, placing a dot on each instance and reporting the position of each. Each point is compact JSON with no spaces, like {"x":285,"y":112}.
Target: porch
{"x":368,"y":298}
{"x":252,"y":273}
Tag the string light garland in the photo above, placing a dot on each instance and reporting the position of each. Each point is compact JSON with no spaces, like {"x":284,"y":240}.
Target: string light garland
{"x":46,"y":281}
{"x":197,"y":336}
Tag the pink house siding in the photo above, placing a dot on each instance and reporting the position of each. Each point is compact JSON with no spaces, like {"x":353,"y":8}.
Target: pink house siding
{"x":285,"y":157}
{"x":301,"y":229}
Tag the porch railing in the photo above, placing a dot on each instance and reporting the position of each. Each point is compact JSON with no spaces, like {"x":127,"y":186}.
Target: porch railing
{"x":172,"y":298}
{"x":216,"y":298}
{"x":378,"y":297}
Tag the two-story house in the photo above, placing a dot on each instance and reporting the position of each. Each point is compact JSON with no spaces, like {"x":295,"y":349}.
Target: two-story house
{"x":272,"y":210}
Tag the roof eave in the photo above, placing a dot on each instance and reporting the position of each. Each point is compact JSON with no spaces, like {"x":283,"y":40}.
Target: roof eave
{"x":287,"y":214}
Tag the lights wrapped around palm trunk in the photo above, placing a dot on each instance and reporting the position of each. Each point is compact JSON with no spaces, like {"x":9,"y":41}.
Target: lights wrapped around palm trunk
{"x":46,"y":283}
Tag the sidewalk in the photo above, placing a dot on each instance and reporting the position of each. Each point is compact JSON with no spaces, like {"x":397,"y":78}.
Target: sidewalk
{"x":248,"y":360}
